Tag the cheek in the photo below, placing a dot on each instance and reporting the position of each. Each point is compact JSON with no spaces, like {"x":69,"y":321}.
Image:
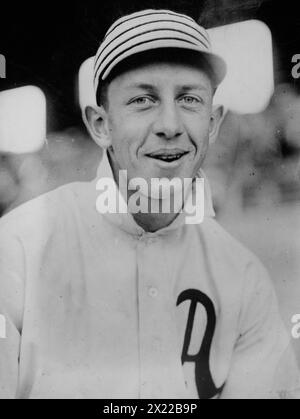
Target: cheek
{"x":125,"y":142}
{"x":128,"y":134}
{"x":199,"y":134}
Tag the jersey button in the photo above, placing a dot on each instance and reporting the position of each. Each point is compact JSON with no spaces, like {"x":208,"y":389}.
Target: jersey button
{"x":153,"y":292}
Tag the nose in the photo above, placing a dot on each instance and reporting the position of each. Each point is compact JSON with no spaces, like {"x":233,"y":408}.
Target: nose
{"x":168,"y":122}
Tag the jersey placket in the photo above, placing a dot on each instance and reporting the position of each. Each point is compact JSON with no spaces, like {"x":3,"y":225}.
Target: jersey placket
{"x":161,"y":373}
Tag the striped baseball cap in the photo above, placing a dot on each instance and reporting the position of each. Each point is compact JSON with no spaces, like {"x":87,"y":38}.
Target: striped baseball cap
{"x":149,"y":30}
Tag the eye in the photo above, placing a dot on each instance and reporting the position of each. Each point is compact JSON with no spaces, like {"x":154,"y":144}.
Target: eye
{"x":142,"y":102}
{"x":191,"y":101}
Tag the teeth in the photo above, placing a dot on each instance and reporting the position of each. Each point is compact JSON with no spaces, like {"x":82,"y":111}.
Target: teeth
{"x":169,"y":158}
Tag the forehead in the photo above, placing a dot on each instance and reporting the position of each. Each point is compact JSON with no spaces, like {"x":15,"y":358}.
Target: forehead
{"x":163,"y":75}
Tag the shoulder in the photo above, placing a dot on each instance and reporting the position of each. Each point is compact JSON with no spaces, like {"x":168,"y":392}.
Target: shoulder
{"x":244,"y":279}
{"x":238,"y":267}
{"x":223,"y":246}
{"x":43,"y":211}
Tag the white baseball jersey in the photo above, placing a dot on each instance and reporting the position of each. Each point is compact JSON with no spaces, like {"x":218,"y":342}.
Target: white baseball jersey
{"x":95,"y":307}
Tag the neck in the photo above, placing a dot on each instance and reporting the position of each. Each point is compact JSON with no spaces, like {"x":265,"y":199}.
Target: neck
{"x":150,"y":221}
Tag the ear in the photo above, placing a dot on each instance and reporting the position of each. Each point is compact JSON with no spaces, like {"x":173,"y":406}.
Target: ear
{"x":216,"y":120}
{"x":96,"y":121}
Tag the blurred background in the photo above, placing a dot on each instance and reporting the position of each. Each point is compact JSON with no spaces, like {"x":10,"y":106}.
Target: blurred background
{"x":253,"y":168}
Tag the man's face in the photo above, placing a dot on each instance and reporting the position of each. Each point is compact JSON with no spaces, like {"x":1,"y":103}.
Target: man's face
{"x":158,"y":121}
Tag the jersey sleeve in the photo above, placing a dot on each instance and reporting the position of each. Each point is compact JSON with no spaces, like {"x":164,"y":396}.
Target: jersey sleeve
{"x":11,"y":312}
{"x":263,"y":365}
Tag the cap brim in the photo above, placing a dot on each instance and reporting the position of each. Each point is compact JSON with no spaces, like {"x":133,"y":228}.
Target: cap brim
{"x":218,"y":66}
{"x":216,"y":63}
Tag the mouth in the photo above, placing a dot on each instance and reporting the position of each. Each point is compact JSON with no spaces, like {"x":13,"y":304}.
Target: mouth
{"x":168,"y":156}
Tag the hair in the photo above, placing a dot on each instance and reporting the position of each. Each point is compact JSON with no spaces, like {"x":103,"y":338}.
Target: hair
{"x":102,"y":94}
{"x":168,"y":55}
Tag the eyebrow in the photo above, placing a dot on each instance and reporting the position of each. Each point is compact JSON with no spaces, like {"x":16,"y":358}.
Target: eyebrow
{"x":150,"y":88}
{"x":188,"y":87}
{"x":142,"y":86}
